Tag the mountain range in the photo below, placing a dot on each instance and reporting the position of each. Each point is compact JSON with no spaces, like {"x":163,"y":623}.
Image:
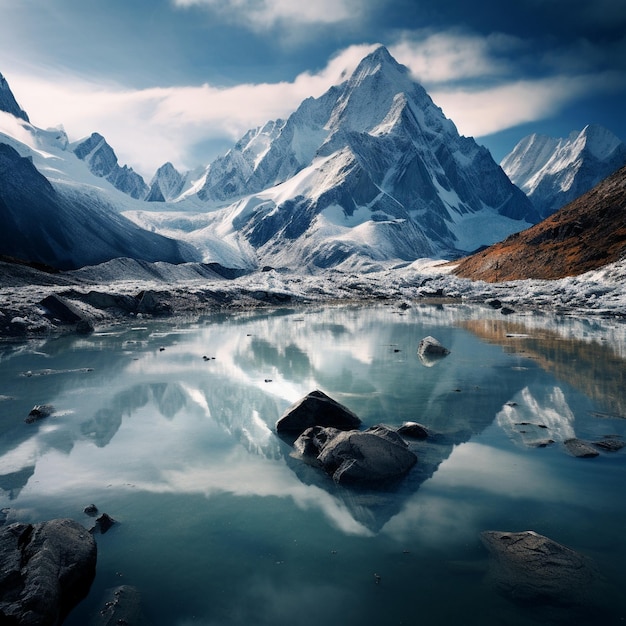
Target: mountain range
{"x":371,"y":173}
{"x":555,"y":171}
{"x":586,"y":234}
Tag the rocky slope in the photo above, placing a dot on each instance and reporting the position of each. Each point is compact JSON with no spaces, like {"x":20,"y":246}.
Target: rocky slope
{"x":587,"y":234}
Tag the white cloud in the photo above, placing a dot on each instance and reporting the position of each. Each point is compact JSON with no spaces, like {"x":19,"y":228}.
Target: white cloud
{"x":147,"y":127}
{"x":265,"y":14}
{"x":451,"y":55}
{"x":482,"y":112}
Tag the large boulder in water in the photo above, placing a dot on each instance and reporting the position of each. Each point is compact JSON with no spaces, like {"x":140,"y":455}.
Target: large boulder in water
{"x":373,"y":455}
{"x":529,"y":568}
{"x":430,"y":351}
{"x":47,"y":568}
{"x":316,"y":409}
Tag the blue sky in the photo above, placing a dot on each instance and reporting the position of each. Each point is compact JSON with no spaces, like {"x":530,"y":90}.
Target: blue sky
{"x":181,"y":80}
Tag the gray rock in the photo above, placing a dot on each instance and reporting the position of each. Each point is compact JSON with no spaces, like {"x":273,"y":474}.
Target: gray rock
{"x":47,"y":568}
{"x":609,"y":444}
{"x":413,"y":430}
{"x":120,"y":605}
{"x":316,"y":409}
{"x":369,"y":456}
{"x":529,"y":568}
{"x":580,"y":449}
{"x":430,"y":351}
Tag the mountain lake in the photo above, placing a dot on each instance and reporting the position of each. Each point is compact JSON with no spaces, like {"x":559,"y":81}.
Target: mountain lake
{"x":169,"y":428}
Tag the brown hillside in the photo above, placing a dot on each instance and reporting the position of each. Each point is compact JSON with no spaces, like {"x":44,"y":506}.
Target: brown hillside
{"x":584,"y":235}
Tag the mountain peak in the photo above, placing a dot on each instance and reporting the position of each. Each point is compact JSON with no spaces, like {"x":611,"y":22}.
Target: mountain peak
{"x":8,"y":103}
{"x":600,"y":141}
{"x":378,"y":61}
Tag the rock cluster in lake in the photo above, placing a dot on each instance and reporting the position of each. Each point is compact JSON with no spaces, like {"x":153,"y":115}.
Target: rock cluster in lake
{"x":327,"y":437}
{"x":47,"y":568}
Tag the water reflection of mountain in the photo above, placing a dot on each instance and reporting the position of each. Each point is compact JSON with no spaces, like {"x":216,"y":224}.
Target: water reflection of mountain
{"x":590,"y":366}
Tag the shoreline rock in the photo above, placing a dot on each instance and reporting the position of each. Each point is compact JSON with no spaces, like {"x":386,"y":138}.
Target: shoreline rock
{"x":47,"y":568}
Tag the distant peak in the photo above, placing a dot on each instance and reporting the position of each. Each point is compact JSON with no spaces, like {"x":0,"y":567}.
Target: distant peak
{"x":8,"y":104}
{"x":600,"y":141}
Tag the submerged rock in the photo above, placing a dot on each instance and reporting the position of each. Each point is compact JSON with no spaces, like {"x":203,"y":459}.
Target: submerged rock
{"x":120,"y":605}
{"x":372,"y":455}
{"x":413,"y":430}
{"x":609,"y":444}
{"x":47,"y":568}
{"x":580,"y":449}
{"x":39,"y":412}
{"x":316,"y":409}
{"x":103,"y":523}
{"x":529,"y":568}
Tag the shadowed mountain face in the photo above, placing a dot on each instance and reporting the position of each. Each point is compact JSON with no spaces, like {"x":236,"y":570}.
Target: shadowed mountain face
{"x":41,"y":225}
{"x":585,"y":235}
{"x":8,"y":102}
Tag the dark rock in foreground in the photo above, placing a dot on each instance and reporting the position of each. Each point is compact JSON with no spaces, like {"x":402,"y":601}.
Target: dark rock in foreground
{"x":529,"y":568}
{"x":369,"y":456}
{"x":47,"y":568}
{"x":316,"y":409}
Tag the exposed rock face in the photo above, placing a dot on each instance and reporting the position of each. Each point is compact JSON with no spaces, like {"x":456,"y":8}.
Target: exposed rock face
{"x":102,"y":161}
{"x":8,"y":102}
{"x":372,"y":455}
{"x":530,"y":568}
{"x":47,"y":568}
{"x":316,"y":409}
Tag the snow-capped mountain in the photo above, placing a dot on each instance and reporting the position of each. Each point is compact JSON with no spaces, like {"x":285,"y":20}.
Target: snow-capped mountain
{"x":54,"y":211}
{"x":166,"y":184}
{"x":371,"y":170}
{"x":8,"y":103}
{"x":555,"y":171}
{"x":102,"y":161}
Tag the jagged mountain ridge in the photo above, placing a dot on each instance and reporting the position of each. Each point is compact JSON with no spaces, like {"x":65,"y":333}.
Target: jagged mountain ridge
{"x":586,"y":234}
{"x":102,"y":161}
{"x":555,"y":171}
{"x":8,"y":104}
{"x":372,"y":169}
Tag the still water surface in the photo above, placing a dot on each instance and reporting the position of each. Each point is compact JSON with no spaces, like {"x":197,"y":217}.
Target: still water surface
{"x":170,"y":431}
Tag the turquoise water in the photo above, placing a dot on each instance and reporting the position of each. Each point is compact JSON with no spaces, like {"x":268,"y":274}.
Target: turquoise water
{"x":169,"y":429}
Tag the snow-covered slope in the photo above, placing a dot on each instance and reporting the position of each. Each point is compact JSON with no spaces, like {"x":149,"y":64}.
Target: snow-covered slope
{"x":555,"y":171}
{"x":53,"y":210}
{"x":372,"y":171}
